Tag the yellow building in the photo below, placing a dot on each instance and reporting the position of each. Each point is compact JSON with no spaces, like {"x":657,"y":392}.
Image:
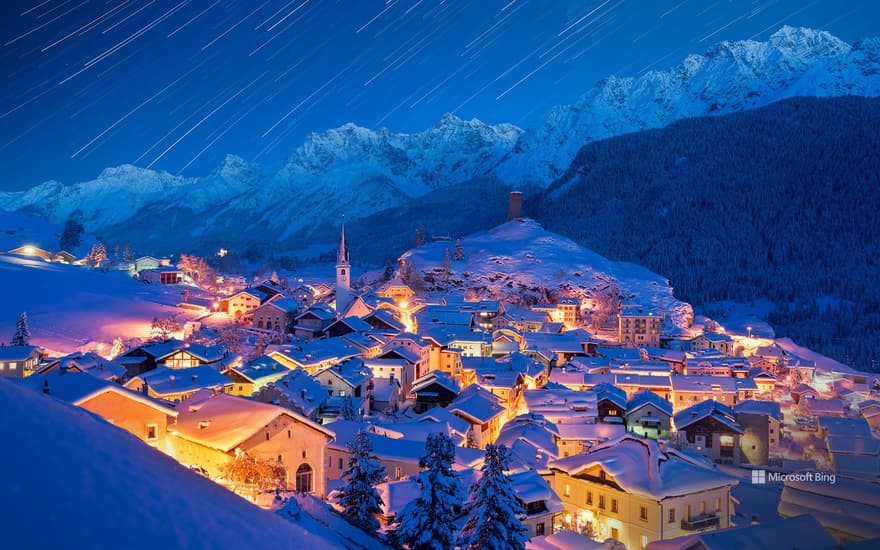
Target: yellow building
{"x":639,"y":327}
{"x":632,"y":490}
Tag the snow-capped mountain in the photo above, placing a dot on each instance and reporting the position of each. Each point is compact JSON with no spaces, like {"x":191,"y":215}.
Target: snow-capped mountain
{"x":359,"y":172}
{"x":729,"y":77}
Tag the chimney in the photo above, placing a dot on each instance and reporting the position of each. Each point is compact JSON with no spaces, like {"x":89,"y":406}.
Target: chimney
{"x":302,"y":394}
{"x":195,"y":377}
{"x":46,"y":387}
{"x":515,"y":210}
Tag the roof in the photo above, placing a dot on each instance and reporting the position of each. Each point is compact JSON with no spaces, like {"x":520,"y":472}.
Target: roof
{"x":78,"y":387}
{"x":647,"y":397}
{"x":767,"y":408}
{"x":535,"y":429}
{"x":208,"y":354}
{"x":707,"y":384}
{"x":354,"y":323}
{"x":16,"y":353}
{"x":802,"y":532}
{"x":708,"y":408}
{"x":287,"y":305}
{"x":529,"y":486}
{"x":165,"y":381}
{"x":321,"y":311}
{"x":298,"y":389}
{"x":477,"y":403}
{"x":352,"y":371}
{"x":715,"y":337}
{"x":93,"y":364}
{"x":223,"y":422}
{"x":157,"y":350}
{"x":261,"y":368}
{"x":610,"y":392}
{"x":384,"y":388}
{"x":561,"y":405}
{"x":563,"y":540}
{"x":436,"y":377}
{"x":640,"y":467}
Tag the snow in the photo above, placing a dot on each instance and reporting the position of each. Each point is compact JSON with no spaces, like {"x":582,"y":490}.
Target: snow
{"x":102,"y":488}
{"x":803,"y":532}
{"x":563,"y":540}
{"x":71,"y":307}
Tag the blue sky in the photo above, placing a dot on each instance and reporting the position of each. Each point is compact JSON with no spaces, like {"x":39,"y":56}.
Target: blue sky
{"x":178,"y":84}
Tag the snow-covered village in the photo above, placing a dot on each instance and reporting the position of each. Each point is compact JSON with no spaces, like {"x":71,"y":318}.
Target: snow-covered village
{"x":269,"y":280}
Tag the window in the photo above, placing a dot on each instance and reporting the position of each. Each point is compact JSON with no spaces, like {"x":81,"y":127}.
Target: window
{"x":267,"y":436}
{"x":717,"y":504}
{"x":602,"y":502}
{"x":726,"y":445}
{"x":643,"y":513}
{"x":643,"y":541}
{"x":672,"y":515}
{"x":340,"y":463}
{"x":397,"y":472}
{"x":341,"y":393}
{"x":539,"y":529}
{"x":567,"y":490}
{"x":304,"y":478}
{"x":702,"y":507}
{"x":614,"y":505}
{"x":615,"y":534}
{"x":304,"y":454}
{"x":590,"y":498}
{"x":288,"y":434}
{"x":152,"y":432}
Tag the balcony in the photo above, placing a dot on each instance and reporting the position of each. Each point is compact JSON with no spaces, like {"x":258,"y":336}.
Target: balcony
{"x":701,"y":522}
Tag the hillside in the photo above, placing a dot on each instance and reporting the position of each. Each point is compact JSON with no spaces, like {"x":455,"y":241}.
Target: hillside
{"x":778,"y":203}
{"x":74,"y":478}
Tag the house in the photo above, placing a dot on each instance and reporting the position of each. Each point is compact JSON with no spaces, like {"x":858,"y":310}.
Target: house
{"x":384,"y":321}
{"x":242,"y":302}
{"x":386,"y":394}
{"x":847,"y":508}
{"x":148,"y":356}
{"x":176,"y":385}
{"x":162,"y":276}
{"x":297,"y":391}
{"x":349,"y":377}
{"x":610,"y":401}
{"x":193,"y":356}
{"x":801,"y":532}
{"x":506,"y":384}
{"x":540,"y":437}
{"x":212,"y":428}
{"x":401,"y":370}
{"x":638,"y":326}
{"x":633,"y":490}
{"x":145,"y":418}
{"x":18,"y":361}
{"x":649,"y":415}
{"x":311,"y":323}
{"x":690,"y":390}
{"x":483,"y":411}
{"x":851,"y":447}
{"x":148,"y":262}
{"x":89,"y":363}
{"x":543,"y":508}
{"x":561,"y":405}
{"x":32,"y":251}
{"x":276,"y":315}
{"x":396,"y":290}
{"x":760,"y":421}
{"x":64,"y":257}
{"x":255,"y":375}
{"x":764,"y":381}
{"x":523,"y":320}
{"x":712,"y":340}
{"x":577,"y":438}
{"x":315,"y":354}
{"x":710,"y":428}
{"x":569,"y":311}
{"x":347,"y":325}
{"x":435,"y":389}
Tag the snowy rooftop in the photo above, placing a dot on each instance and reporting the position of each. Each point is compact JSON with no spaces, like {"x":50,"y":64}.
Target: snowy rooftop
{"x":164,"y":381}
{"x":751,"y":406}
{"x":436,"y":377}
{"x":16,"y":353}
{"x":531,"y":487}
{"x":301,"y":390}
{"x":477,"y":403}
{"x":645,"y":397}
{"x":352,"y":371}
{"x":708,"y":384}
{"x":261,"y":368}
{"x":287,"y":305}
{"x":640,"y":467}
{"x":92,"y":364}
{"x":535,"y":429}
{"x":222,"y":421}
{"x":707,"y":409}
{"x":562,"y":405}
{"x":610,"y":392}
{"x":77,"y":387}
{"x":802,"y":532}
{"x":590,"y":432}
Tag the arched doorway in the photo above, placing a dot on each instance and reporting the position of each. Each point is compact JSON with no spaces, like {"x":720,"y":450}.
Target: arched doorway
{"x":304,"y":475}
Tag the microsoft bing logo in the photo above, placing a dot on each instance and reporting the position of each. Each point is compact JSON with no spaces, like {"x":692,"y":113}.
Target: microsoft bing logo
{"x":759,"y":477}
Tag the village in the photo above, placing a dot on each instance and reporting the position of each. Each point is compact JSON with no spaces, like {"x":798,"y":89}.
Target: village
{"x":625,"y":431}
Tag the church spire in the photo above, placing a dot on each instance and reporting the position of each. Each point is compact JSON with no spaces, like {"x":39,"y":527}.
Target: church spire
{"x":342,"y":255}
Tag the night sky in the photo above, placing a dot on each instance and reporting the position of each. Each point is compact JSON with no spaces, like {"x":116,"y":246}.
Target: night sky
{"x":176,"y":85}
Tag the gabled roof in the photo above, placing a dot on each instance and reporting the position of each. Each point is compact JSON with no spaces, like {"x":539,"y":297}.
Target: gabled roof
{"x":383,"y":317}
{"x":707,"y":409}
{"x":533,"y":428}
{"x":287,"y":305}
{"x":436,"y":377}
{"x":208,"y":354}
{"x":478,"y":404}
{"x":223,"y":422}
{"x":258,"y":294}
{"x":715,"y":337}
{"x":90,"y":363}
{"x":802,"y":531}
{"x":78,"y":387}
{"x":157,"y":350}
{"x":356,"y":324}
{"x":16,"y":353}
{"x":165,"y":381}
{"x":261,"y":368}
{"x":352,"y":371}
{"x":320,"y":311}
{"x":298,"y":388}
{"x":641,"y":467}
{"x":646,"y":397}
{"x":767,"y":408}
{"x":610,"y":393}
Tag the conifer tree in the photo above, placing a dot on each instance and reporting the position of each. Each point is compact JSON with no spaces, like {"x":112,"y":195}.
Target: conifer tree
{"x":458,"y":251}
{"x":428,"y":523}
{"x":22,"y":335}
{"x":360,"y":500}
{"x":493,"y":520}
{"x":347,"y":411}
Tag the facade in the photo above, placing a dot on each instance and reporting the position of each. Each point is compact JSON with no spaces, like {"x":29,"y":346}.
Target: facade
{"x":649,"y":415}
{"x":162,"y":276}
{"x":242,"y":302}
{"x":633,"y":491}
{"x":275,"y":315}
{"x":639,"y":327}
{"x":16,"y":360}
{"x":710,"y":429}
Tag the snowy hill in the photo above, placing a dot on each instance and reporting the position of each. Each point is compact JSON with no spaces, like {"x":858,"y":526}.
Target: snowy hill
{"x":360,"y":172}
{"x":727,"y":78}
{"x":74,"y":480}
{"x":19,"y":230}
{"x":521,"y":260}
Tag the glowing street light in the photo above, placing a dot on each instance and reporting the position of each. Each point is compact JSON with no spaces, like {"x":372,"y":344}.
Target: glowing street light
{"x":750,"y":331}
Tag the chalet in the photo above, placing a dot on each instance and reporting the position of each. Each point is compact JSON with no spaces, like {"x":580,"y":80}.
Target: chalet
{"x":64,"y":257}
{"x":350,"y":377}
{"x":435,"y":389}
{"x":483,"y":411}
{"x":610,"y":401}
{"x":570,"y":311}
{"x":18,"y":361}
{"x":764,"y":381}
{"x":711,"y":340}
{"x":523,"y":320}
{"x":162,"y":276}
{"x":347,"y":325}
{"x":710,"y":428}
{"x":386,"y":394}
{"x":315,"y":354}
{"x":147,"y":357}
{"x":760,"y":421}
{"x":297,"y":391}
{"x":634,"y":491}
{"x":649,"y":415}
{"x":212,"y":428}
{"x":396,"y":290}
{"x":32,"y":251}
{"x":303,"y":294}
{"x":484,"y":312}
{"x":532,"y":440}
{"x":506,"y":384}
{"x":148,"y":262}
{"x":89,"y":363}
{"x":243,"y":302}
{"x":254,"y":375}
{"x":803,"y":391}
{"x":194,"y":355}
{"x":543,"y":508}
{"x":638,"y":326}
{"x":176,"y":385}
{"x":312,"y":322}
{"x":690,"y":390}
{"x":384,"y":321}
{"x":145,"y":418}
{"x":275,"y":315}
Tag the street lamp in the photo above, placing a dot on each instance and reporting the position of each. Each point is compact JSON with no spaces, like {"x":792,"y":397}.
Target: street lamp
{"x":750,"y":331}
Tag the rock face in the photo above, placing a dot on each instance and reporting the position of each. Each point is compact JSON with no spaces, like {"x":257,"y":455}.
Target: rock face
{"x":358,"y":172}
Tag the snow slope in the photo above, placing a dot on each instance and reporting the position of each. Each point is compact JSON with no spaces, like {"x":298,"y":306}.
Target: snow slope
{"x":19,"y":230}
{"x":70,"y":306}
{"x":728,"y":77}
{"x":521,"y":258}
{"x":74,"y":480}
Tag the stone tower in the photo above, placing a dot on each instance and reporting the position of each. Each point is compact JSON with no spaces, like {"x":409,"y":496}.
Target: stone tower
{"x":343,"y":275}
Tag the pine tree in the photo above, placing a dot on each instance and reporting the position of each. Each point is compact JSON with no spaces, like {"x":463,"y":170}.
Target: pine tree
{"x":22,"y":335}
{"x":97,"y":256}
{"x":458,"y":251}
{"x":428,"y":523}
{"x":71,"y":236}
{"x":493,"y":520}
{"x":127,"y":254}
{"x":360,"y":500}
{"x":347,"y":411}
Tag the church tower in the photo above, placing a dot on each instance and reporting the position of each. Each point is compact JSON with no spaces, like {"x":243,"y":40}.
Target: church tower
{"x":343,"y":275}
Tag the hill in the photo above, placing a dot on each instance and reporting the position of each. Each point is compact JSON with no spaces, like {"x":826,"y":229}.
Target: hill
{"x":778,"y":203}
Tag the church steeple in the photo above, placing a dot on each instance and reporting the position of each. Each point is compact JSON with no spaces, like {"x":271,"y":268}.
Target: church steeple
{"x":342,"y":254}
{"x":343,"y":274}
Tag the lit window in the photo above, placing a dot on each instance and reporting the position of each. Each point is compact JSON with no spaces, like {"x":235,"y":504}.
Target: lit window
{"x":672,"y":515}
{"x":643,"y":513}
{"x":590,"y":498}
{"x":152,"y":432}
{"x":602,"y":502}
{"x":614,"y":505}
{"x":567,"y":490}
{"x":644,"y":541}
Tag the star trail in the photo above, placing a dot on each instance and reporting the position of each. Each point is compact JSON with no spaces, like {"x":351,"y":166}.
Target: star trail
{"x":176,"y":85}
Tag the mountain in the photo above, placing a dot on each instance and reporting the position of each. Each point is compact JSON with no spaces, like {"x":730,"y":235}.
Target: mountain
{"x":729,"y":77}
{"x":778,"y":203}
